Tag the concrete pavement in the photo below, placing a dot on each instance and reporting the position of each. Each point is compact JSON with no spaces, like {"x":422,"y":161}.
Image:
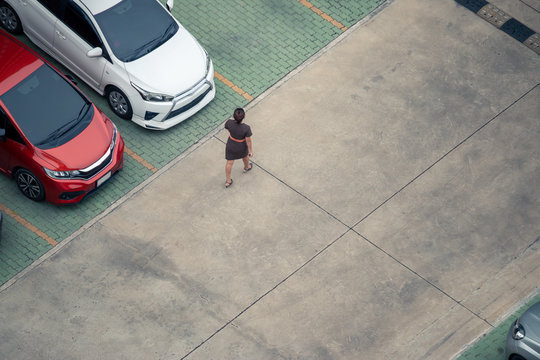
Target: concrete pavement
{"x":393,"y":213}
{"x":248,"y":59}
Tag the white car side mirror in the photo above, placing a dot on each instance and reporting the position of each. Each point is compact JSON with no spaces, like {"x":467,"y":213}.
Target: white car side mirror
{"x":95,"y":52}
{"x":170,"y":4}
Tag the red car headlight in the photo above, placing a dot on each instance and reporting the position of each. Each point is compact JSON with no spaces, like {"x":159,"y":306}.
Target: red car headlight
{"x":62,"y":174}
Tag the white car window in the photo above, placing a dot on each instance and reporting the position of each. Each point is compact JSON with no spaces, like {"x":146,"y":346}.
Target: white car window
{"x":77,"y":20}
{"x":52,"y":5}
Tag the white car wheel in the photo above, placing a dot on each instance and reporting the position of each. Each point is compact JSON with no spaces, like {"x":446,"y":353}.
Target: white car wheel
{"x":9,"y":19}
{"x":119,"y":103}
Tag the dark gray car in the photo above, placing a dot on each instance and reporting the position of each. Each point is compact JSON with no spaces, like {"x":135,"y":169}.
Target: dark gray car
{"x":523,"y":339}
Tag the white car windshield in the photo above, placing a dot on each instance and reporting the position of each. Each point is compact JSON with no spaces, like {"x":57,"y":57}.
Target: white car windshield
{"x":133,"y":28}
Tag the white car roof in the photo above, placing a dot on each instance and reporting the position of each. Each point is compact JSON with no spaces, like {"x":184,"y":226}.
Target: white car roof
{"x":97,"y":6}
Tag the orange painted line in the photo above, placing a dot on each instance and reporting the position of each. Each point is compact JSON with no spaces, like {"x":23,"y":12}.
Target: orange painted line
{"x":27,"y":225}
{"x":322,"y":14}
{"x":140,"y":160}
{"x":230,"y":84}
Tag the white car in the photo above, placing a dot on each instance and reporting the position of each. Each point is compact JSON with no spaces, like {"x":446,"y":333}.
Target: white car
{"x":134,"y":52}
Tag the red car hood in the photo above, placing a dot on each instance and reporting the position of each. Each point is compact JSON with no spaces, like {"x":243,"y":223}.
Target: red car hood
{"x":84,"y":149}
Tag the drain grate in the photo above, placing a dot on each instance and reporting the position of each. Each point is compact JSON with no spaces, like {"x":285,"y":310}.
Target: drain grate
{"x":517,"y":30}
{"x":473,"y":5}
{"x":533,"y":43}
{"x":505,"y":22}
{"x":493,"y":15}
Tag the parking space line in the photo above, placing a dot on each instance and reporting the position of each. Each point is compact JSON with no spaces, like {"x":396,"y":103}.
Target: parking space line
{"x":139,"y":159}
{"x":28,"y":225}
{"x":322,"y":14}
{"x":230,"y":84}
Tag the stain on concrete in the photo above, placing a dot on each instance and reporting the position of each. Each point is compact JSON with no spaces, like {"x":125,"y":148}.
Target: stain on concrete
{"x":438,"y":345}
{"x":410,"y":291}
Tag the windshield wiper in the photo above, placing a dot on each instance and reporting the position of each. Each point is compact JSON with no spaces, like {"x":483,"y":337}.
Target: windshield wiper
{"x":152,"y":44}
{"x":167,"y":33}
{"x":66,"y":127}
{"x":140,"y":50}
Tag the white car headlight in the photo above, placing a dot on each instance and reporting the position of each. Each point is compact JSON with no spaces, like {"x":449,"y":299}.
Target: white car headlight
{"x":518,"y":332}
{"x":150,"y":96}
{"x":62,"y":174}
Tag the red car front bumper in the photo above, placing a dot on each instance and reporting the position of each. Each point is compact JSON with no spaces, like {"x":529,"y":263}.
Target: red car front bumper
{"x":71,"y":191}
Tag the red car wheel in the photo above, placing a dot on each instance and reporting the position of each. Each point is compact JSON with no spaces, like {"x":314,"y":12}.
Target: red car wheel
{"x":29,"y":185}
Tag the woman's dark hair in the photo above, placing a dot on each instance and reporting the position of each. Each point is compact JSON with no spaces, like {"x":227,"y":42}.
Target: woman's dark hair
{"x":239,"y":115}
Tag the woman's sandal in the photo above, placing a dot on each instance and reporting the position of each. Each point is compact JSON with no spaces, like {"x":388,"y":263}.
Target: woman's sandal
{"x":228,"y":183}
{"x":249,"y":168}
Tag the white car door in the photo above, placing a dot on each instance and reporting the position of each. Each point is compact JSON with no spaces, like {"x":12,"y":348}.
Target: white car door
{"x":74,"y":37}
{"x":38,"y":18}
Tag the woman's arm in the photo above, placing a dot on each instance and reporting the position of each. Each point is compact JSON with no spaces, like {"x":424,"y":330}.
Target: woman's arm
{"x":250,"y":146}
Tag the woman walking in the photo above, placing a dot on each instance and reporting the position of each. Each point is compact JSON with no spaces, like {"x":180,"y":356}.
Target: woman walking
{"x":239,"y":144}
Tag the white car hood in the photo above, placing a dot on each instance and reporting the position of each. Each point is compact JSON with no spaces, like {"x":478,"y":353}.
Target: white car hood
{"x":172,"y":68}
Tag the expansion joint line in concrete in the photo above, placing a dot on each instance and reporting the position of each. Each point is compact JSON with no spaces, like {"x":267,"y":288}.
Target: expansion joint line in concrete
{"x":348,"y":229}
{"x":458,"y":302}
{"x":28,"y":225}
{"x":293,"y":189}
{"x":447,"y":153}
{"x":264,"y":295}
{"x":230,"y":84}
{"x":418,"y":176}
{"x":351,"y":228}
{"x":322,"y":14}
{"x":524,"y":3}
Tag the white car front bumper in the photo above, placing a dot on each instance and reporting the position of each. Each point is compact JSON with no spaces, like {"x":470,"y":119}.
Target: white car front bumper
{"x":163,"y":115}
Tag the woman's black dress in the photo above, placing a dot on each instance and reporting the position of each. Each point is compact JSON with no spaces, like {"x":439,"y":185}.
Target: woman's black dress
{"x":236,"y":147}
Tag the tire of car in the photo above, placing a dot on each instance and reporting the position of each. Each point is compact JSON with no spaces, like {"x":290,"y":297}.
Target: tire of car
{"x":9,"y":19}
{"x":29,"y":185}
{"x":517,"y":357}
{"x":119,"y":102}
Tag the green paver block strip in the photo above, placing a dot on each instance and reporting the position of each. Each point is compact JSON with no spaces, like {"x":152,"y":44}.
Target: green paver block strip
{"x":347,"y":12}
{"x":252,"y":44}
{"x":18,"y":249}
{"x":491,"y":345}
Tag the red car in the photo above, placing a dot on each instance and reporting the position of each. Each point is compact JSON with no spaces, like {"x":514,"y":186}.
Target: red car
{"x":53,"y":140}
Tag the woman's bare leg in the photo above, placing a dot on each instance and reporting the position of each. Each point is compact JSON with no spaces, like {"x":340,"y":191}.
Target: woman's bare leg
{"x":228,"y":169}
{"x":246,"y":162}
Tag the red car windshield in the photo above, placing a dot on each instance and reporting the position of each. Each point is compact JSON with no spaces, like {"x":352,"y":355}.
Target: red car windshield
{"x":47,"y":108}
